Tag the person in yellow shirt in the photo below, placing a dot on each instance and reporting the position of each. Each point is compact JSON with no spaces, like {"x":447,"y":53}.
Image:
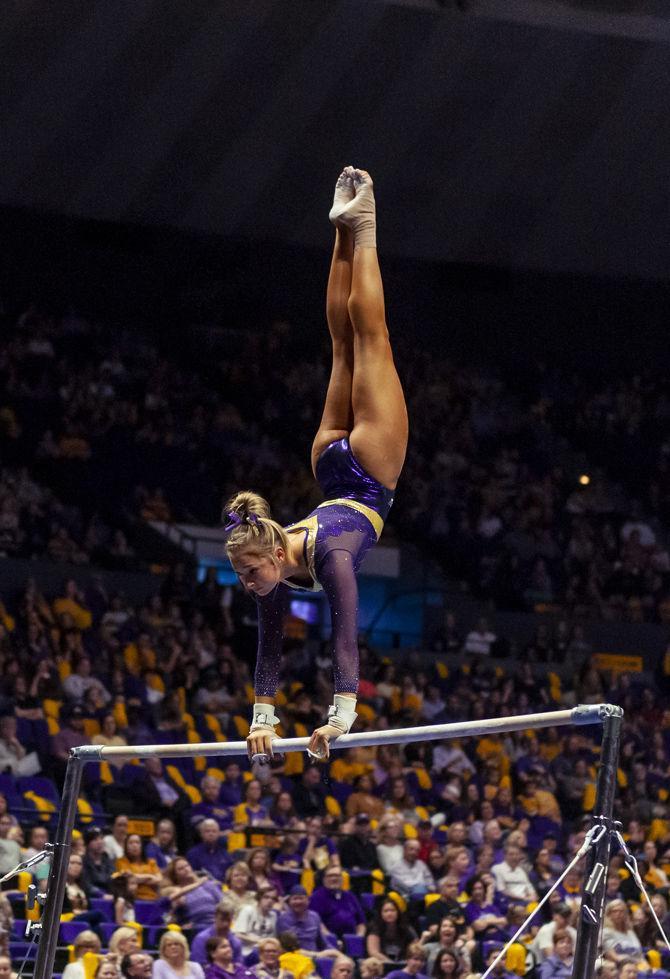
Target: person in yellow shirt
{"x":73,"y":603}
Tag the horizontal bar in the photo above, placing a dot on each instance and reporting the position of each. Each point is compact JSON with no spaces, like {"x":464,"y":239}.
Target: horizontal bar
{"x":583,"y":714}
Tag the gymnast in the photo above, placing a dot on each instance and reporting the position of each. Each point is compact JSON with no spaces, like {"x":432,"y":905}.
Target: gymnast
{"x":357,"y":457}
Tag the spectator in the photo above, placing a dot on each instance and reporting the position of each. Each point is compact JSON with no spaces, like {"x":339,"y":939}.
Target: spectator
{"x":210,"y":807}
{"x":343,"y":968}
{"x":619,"y":940}
{"x":85,"y":941}
{"x":339,"y":910}
{"x":145,"y":871}
{"x":223,"y":919}
{"x":480,"y":639}
{"x":362,"y":801}
{"x":78,"y":684}
{"x":174,"y":960}
{"x":237,"y":887}
{"x":268,"y":966}
{"x":221,"y":964}
{"x":447,"y":965}
{"x":305,"y":924}
{"x":293,"y":959}
{"x":71,"y":735}
{"x":358,"y":853}
{"x":98,"y":867}
{"x":389,"y":847}
{"x":559,"y":964}
{"x":211,"y":854}
{"x":260,"y":869}
{"x":317,"y":849}
{"x":115,"y":841}
{"x":482,"y":912}
{"x":389,"y":935}
{"x":511,"y":879}
{"x":415,"y":965}
{"x":256,"y":922}
{"x":123,"y":889}
{"x":309,"y":795}
{"x":410,"y":875}
{"x":448,"y":939}
{"x":12,"y":752}
{"x":192,"y":897}
{"x":136,"y":965}
{"x":162,"y":847}
{"x":543,"y":944}
{"x":109,"y":736}
{"x":157,"y":794}
{"x":446,"y":904}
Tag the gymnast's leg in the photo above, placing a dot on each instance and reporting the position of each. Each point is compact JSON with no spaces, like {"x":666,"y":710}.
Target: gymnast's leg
{"x":379,"y":435}
{"x":337,"y":418}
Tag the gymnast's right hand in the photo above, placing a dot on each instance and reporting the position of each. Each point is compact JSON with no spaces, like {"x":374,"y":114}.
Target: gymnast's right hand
{"x":259,"y":742}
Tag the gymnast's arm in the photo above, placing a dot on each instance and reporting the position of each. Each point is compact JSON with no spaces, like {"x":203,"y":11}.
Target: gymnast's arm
{"x":271,"y":611}
{"x":337,"y":577}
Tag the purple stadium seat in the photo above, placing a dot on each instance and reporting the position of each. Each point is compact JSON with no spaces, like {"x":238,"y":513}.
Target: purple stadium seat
{"x":69,"y":930}
{"x":324,"y":967}
{"x":354,"y":946}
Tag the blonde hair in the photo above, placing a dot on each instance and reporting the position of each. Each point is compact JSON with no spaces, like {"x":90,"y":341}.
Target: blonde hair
{"x":121,"y":934}
{"x":256,"y":532}
{"x":85,"y":938}
{"x":172,"y":936}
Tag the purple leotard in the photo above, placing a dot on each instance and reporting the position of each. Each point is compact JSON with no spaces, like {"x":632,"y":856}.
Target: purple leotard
{"x":337,"y":536}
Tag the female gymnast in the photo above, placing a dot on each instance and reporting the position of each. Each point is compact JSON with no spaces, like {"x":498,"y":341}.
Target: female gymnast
{"x":357,"y":456}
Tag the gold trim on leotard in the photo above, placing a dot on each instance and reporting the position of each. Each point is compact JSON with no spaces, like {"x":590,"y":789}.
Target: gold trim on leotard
{"x":310,"y":526}
{"x":367,"y":511}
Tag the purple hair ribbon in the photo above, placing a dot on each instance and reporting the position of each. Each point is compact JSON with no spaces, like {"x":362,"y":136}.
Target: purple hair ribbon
{"x":234,"y":520}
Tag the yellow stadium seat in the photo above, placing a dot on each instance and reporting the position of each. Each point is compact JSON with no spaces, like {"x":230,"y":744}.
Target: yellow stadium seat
{"x":91,"y":727}
{"x":51,"y":707}
{"x":90,"y":961}
{"x":515,"y":960}
{"x":241,"y":726}
{"x":430,"y":899}
{"x":333,"y":807}
{"x":53,"y":725}
{"x":307,"y":880}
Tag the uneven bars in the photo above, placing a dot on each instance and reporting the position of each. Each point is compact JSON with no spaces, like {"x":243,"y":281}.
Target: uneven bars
{"x":580,"y":715}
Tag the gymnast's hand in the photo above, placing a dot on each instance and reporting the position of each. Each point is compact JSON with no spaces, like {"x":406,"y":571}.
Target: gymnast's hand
{"x":259,"y":742}
{"x":319,"y":743}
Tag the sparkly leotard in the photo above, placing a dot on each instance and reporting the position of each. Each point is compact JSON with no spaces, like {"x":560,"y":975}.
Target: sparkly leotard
{"x":337,"y":536}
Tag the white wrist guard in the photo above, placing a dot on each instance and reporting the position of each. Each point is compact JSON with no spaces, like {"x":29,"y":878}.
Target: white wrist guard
{"x":264,"y":718}
{"x":342,"y":713}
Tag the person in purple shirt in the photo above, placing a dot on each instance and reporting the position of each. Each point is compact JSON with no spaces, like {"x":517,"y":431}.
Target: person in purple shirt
{"x":162,"y":847}
{"x":211,"y":806}
{"x":416,"y":963}
{"x":223,"y":919}
{"x":307,"y":925}
{"x":339,"y":910}
{"x":212,"y":853}
{"x":221,"y":964}
{"x":486,"y":918}
{"x":233,"y":786}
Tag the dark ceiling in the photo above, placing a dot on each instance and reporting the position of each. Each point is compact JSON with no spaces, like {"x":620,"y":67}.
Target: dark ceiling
{"x":494,"y":142}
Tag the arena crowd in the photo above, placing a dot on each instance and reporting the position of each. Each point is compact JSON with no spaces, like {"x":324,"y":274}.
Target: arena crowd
{"x":414,"y":861}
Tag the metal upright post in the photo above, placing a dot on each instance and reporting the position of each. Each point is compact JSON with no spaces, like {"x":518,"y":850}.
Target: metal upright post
{"x":48,"y":939}
{"x":597,"y":858}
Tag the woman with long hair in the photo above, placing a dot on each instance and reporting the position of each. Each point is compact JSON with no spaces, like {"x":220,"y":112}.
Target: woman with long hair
{"x":389,"y":934}
{"x":193,"y":897}
{"x":357,"y":457}
{"x":447,"y":965}
{"x":619,"y":940}
{"x":262,"y":875}
{"x":448,"y":939}
{"x":145,"y":871}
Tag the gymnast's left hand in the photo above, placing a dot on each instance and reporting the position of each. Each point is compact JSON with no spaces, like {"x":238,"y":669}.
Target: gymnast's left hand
{"x":259,"y":742}
{"x":319,"y":743}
